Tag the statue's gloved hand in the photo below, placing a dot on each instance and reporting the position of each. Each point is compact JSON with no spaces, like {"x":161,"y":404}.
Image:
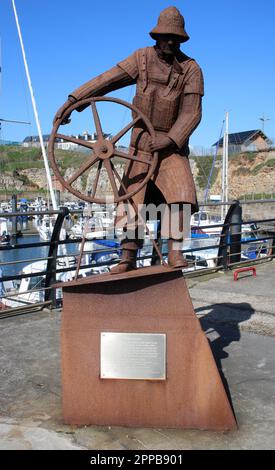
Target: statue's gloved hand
{"x":62,"y":111}
{"x":161,"y":142}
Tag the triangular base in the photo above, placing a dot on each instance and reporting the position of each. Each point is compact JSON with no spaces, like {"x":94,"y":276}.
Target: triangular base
{"x":150,"y":300}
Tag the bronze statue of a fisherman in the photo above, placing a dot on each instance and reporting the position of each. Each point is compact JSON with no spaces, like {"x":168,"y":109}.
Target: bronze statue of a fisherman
{"x":169,"y":88}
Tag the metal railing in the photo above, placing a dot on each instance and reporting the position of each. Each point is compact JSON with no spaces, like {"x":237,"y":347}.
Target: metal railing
{"x":229,"y":252}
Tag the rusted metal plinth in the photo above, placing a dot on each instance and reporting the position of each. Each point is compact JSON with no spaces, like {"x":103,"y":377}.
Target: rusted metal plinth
{"x":149,"y":300}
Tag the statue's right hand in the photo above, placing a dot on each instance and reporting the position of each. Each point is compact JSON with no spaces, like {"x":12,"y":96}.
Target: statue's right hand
{"x":61,"y":112}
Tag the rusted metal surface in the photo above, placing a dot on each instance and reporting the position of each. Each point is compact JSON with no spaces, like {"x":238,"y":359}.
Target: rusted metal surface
{"x":103,"y":152}
{"x":150,"y":300}
{"x":169,"y":90}
{"x":169,"y":87}
{"x":167,"y":109}
{"x":170,"y":20}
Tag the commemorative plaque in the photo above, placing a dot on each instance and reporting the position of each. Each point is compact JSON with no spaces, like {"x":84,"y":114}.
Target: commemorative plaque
{"x":136,"y":356}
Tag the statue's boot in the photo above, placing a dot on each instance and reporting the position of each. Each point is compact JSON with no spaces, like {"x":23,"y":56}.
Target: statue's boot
{"x":175,"y":256}
{"x":127,"y":262}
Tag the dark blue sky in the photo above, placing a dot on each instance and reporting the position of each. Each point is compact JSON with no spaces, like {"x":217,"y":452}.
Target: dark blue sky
{"x":68,"y":42}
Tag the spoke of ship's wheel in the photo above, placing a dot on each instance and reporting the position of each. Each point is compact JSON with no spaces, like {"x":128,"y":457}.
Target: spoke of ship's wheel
{"x":83,"y":168}
{"x":119,"y":178}
{"x":111,"y":176}
{"x":155,"y":245}
{"x":124,"y":130}
{"x":97,"y":121}
{"x":81,"y":142}
{"x":96,"y":178}
{"x":140,"y":159}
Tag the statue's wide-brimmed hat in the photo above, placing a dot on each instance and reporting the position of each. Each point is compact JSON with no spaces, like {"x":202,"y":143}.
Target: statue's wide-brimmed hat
{"x":170,"y":21}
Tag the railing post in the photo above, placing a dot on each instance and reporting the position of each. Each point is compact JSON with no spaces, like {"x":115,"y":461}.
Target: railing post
{"x":273,"y":245}
{"x":225,"y":234}
{"x":50,"y":294}
{"x":224,"y":255}
{"x":236,"y":234}
{"x":14,"y":219}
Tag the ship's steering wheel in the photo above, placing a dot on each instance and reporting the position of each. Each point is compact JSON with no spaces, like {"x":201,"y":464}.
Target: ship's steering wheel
{"x":102,"y":153}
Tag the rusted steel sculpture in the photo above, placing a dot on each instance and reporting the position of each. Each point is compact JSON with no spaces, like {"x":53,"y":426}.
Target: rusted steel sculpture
{"x":169,"y":89}
{"x":177,"y":385}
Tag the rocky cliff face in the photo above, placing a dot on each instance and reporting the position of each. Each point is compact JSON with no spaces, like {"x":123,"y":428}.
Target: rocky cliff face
{"x":9,"y":182}
{"x":248,"y":174}
{"x":85,"y":183}
{"x":18,"y":181}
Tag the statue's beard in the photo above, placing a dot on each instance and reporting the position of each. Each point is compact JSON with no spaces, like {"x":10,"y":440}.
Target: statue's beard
{"x":167,"y":55}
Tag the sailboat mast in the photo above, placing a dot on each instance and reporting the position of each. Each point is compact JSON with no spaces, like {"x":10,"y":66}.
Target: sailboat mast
{"x":45,"y":158}
{"x":225,"y":167}
{"x":0,"y":65}
{"x":0,"y":84}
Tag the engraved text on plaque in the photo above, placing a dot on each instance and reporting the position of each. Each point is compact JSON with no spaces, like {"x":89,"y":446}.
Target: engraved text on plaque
{"x":133,"y":356}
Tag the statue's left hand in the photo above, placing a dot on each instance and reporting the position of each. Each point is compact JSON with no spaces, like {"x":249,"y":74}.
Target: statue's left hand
{"x":62,"y":110}
{"x":160,"y":143}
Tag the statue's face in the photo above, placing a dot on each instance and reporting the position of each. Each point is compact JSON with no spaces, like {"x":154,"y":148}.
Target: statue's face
{"x":169,"y":44}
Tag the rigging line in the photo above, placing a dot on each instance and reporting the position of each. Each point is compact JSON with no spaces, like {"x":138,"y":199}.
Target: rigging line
{"x":45,"y":158}
{"x":1,"y":130}
{"x":24,"y":85}
{"x":213,"y":165}
{"x":201,"y":167}
{"x":0,"y":65}
{"x":130,"y":95}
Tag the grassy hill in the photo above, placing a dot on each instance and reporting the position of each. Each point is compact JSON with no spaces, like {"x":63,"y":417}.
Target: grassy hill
{"x":21,"y":158}
{"x":204,"y":165}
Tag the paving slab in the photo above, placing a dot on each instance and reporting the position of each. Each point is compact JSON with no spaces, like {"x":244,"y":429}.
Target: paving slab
{"x":248,"y":302}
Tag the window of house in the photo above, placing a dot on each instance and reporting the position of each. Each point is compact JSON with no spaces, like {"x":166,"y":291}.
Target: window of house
{"x":251,"y":147}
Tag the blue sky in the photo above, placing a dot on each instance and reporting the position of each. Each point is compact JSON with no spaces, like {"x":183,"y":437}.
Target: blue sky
{"x":69,"y":42}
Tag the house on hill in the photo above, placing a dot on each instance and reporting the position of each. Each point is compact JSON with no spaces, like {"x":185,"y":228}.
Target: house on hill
{"x":33,"y":141}
{"x":247,"y":141}
{"x":65,"y":145}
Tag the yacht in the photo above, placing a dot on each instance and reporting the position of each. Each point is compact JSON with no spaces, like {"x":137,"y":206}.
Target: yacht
{"x":26,"y":291}
{"x":4,"y":231}
{"x":45,"y":227}
{"x":204,"y":220}
{"x":97,"y":226}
